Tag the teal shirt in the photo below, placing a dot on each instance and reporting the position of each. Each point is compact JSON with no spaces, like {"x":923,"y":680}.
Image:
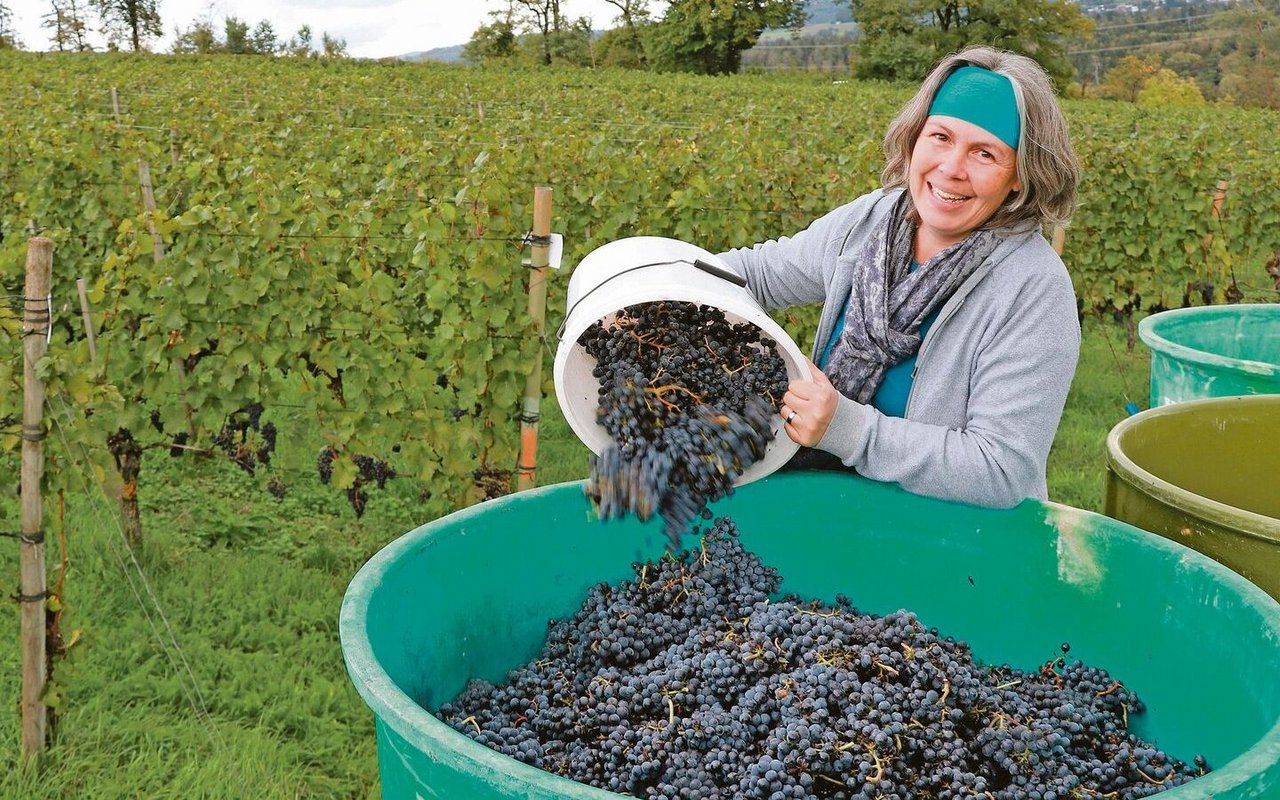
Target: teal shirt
{"x":891,"y":398}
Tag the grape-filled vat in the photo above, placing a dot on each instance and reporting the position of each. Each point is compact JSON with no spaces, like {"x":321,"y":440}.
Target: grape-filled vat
{"x":470,"y":594}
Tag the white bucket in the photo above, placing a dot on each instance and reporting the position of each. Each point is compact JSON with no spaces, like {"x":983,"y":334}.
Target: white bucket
{"x":645,"y":269}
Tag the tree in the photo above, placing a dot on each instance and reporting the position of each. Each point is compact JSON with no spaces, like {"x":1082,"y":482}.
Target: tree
{"x":620,"y":47}
{"x":237,"y":36}
{"x":1125,"y":80}
{"x":493,"y":42}
{"x":1167,"y":88}
{"x":903,"y":39}
{"x":1248,"y":73}
{"x":1251,"y":83}
{"x":633,"y":14}
{"x":263,"y":39}
{"x":709,"y":36}
{"x":571,"y":44}
{"x":332,"y":46}
{"x":300,"y":45}
{"x":199,"y":38}
{"x":8,"y":37}
{"x":68,"y":26}
{"x":543,"y":17}
{"x":134,"y":21}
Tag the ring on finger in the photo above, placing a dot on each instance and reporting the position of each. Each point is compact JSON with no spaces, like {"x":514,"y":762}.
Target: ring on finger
{"x":791,"y":415}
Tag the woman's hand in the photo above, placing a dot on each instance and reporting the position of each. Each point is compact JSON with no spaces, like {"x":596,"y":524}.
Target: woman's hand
{"x":808,"y":406}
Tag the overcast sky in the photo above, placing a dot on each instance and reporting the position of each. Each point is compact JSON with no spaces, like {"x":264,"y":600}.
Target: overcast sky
{"x":372,"y":28}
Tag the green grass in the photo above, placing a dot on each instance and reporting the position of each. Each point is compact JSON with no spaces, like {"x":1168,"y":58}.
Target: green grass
{"x":250,"y":588}
{"x":1109,"y":376}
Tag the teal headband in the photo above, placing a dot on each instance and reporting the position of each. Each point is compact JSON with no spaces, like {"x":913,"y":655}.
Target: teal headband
{"x":982,"y":97}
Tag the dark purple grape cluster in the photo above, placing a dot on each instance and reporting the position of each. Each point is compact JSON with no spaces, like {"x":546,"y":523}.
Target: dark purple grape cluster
{"x":369,"y":470}
{"x":324,"y":464}
{"x":277,"y":488}
{"x":688,"y":398}
{"x":179,"y":443}
{"x":688,"y":681}
{"x":246,"y":440}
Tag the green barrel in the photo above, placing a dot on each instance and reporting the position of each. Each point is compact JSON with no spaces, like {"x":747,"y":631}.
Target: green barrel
{"x":469,"y":595}
{"x":1205,"y":473}
{"x":1213,"y":351}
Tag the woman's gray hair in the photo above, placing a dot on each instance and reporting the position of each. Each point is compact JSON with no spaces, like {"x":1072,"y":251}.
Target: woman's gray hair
{"x":1046,"y":162}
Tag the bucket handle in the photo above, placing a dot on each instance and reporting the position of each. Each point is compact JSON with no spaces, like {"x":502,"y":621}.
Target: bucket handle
{"x":705,"y":266}
{"x":723,"y":274}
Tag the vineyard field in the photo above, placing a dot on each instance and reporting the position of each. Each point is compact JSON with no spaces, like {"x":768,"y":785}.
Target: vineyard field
{"x":350,"y":234}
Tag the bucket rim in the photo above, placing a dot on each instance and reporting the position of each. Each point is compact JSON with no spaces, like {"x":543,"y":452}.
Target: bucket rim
{"x":1148,"y":332}
{"x":1248,"y":523}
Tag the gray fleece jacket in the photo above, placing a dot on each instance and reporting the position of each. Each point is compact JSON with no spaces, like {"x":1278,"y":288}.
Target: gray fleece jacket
{"x":991,"y":377}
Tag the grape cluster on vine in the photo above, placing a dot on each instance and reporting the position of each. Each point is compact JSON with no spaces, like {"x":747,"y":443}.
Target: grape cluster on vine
{"x":689,"y":681}
{"x":179,"y":442}
{"x":246,"y":440}
{"x":688,"y":398}
{"x":491,"y":481}
{"x":368,"y":470}
{"x":276,"y":487}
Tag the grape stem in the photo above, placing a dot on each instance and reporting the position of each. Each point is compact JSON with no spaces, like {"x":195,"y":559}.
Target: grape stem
{"x":1114,"y":685}
{"x":659,"y":391}
{"x":1148,"y":778}
{"x":876,"y":775}
{"x":177,"y":446}
{"x":828,"y":615}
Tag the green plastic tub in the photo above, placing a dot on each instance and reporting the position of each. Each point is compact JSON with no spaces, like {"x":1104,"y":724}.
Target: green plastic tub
{"x":1213,"y":351}
{"x":1205,"y":473}
{"x":470,"y":595}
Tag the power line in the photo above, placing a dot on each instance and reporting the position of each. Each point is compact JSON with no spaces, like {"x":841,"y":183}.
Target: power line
{"x":1171,"y":21}
{"x":784,"y":46}
{"x":1205,"y":38}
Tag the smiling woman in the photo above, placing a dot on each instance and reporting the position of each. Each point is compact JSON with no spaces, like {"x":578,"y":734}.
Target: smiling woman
{"x":949,"y":335}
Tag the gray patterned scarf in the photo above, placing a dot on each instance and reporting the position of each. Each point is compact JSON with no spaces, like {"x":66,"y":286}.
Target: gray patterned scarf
{"x":889,"y":301}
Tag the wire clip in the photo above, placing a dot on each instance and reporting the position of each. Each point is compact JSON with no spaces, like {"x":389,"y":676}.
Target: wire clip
{"x":26,"y":538}
{"x":555,"y":243}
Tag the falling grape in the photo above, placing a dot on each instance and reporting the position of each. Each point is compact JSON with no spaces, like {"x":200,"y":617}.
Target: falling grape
{"x":688,"y":399}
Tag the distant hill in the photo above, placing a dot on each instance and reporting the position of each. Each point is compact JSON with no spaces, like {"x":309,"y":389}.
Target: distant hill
{"x":825,"y":12}
{"x":450,"y":55}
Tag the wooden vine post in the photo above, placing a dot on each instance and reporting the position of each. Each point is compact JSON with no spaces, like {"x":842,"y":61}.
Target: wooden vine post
{"x":526,"y":477}
{"x":1215,"y":211}
{"x":1215,"y":216}
{"x":87,"y":314}
{"x":33,"y":588}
